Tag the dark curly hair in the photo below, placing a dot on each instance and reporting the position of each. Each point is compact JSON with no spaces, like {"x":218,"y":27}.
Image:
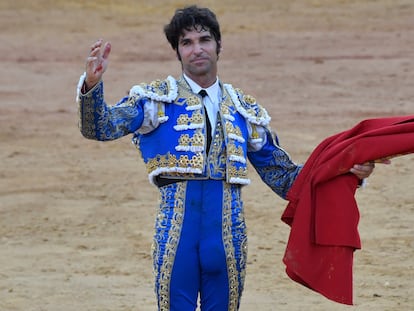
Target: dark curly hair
{"x":189,"y":18}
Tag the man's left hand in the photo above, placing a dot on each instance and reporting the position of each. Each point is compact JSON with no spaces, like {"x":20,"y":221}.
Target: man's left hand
{"x":363,"y":171}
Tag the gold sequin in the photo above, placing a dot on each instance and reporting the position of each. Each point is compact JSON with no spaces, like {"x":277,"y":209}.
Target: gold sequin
{"x":184,"y":140}
{"x":183,"y":119}
{"x":193,"y":101}
{"x":249,"y":99}
{"x":197,"y":117}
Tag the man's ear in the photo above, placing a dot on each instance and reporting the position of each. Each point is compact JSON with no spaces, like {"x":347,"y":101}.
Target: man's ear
{"x":219,"y":47}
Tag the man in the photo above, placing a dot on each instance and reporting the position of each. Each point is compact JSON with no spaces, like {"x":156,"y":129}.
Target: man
{"x":195,"y":134}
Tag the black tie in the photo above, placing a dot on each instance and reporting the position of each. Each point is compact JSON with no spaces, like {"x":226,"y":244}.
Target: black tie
{"x":203,"y":94}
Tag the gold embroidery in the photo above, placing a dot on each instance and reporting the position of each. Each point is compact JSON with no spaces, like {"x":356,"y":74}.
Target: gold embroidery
{"x":183,"y":161}
{"x":230,"y":129}
{"x":183,"y":119}
{"x":234,"y":172}
{"x":156,"y":87}
{"x":156,"y":83}
{"x":217,"y":153}
{"x":229,"y":248}
{"x":234,"y":150}
{"x":193,"y":101}
{"x":167,"y":256}
{"x":163,"y":161}
{"x":187,"y":160}
{"x":197,"y":118}
{"x":249,"y":99}
{"x":131,"y":100}
{"x":170,"y":162}
{"x":197,"y":161}
{"x":255,"y":134}
{"x":160,"y":113}
{"x":224,"y":109}
{"x":184,"y":140}
{"x":197,"y":140}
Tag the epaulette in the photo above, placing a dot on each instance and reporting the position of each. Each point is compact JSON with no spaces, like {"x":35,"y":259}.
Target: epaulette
{"x":158,"y":90}
{"x":247,"y":106}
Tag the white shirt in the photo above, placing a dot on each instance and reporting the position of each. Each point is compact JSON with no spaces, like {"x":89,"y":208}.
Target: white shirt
{"x":211,"y":101}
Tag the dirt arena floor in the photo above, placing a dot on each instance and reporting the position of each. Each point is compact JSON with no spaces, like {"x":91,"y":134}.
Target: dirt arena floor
{"x":76,"y":216}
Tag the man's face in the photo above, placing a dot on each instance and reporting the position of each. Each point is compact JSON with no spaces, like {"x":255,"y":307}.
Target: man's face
{"x":198,"y":52}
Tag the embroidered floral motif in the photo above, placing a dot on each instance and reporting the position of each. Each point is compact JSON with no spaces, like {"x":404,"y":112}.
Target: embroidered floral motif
{"x":185,"y":122}
{"x":279,"y":173}
{"x":172,"y":165}
{"x":217,"y":154}
{"x":102,"y":122}
{"x":168,"y":228}
{"x":249,"y":99}
{"x":233,"y":150}
{"x":234,"y":132}
{"x":194,"y":144}
{"x":184,"y":140}
{"x":237,"y":175}
{"x":235,"y":243}
{"x":193,"y":103}
{"x":183,"y":119}
{"x":231,"y":129}
{"x":155,"y":84}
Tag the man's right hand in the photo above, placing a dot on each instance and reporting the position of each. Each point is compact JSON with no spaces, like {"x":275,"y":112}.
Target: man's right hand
{"x":96,"y":63}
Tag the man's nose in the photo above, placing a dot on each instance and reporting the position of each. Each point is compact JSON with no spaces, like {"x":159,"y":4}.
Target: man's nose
{"x":198,"y":48}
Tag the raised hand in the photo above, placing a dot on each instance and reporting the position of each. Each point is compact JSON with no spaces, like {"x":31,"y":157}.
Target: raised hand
{"x":97,"y":62}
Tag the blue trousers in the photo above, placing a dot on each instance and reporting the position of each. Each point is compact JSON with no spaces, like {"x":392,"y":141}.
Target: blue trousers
{"x":200,"y":246}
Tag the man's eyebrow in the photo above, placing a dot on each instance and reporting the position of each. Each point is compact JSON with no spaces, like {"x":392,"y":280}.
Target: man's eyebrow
{"x":207,"y":35}
{"x":183,"y":39}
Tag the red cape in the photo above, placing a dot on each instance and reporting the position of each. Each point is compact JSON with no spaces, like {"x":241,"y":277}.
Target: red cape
{"x":322,"y":210}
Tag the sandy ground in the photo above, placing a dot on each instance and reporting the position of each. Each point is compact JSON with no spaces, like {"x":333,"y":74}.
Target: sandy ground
{"x":76,"y":216}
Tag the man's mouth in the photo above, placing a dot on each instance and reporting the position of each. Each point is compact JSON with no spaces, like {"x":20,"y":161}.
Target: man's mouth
{"x":199,"y":60}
